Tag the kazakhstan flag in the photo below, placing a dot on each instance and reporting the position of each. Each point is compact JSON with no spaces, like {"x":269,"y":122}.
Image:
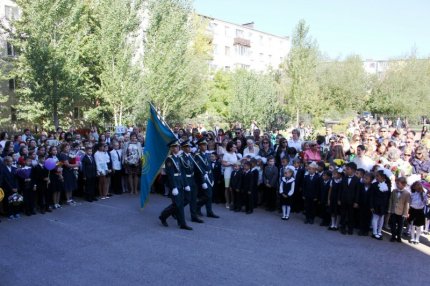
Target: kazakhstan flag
{"x":158,"y":138}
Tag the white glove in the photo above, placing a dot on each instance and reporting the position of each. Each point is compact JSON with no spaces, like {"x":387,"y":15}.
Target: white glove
{"x":187,"y":188}
{"x":206,"y":177}
{"x":204,"y":186}
{"x":175,"y":192}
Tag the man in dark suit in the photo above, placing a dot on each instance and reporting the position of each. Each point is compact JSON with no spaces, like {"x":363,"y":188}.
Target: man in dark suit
{"x":9,"y":184}
{"x":348,"y":198}
{"x":311,"y":191}
{"x":176,"y":184}
{"x":205,"y":180}
{"x":89,"y":174}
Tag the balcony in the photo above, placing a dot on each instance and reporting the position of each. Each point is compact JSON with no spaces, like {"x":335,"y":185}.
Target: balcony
{"x":242,"y":42}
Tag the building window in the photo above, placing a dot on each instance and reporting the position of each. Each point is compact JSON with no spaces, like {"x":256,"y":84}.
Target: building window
{"x":227,"y":50}
{"x":12,"y":114}
{"x":226,"y":31}
{"x":10,"y":49}
{"x":241,"y":50}
{"x":12,"y":84}
{"x":215,"y":49}
{"x":261,"y":40}
{"x":227,"y":68}
{"x":261,"y":56}
{"x":11,"y":13}
{"x":239,"y":33}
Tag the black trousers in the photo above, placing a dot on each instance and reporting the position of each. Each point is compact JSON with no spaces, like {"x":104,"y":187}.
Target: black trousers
{"x":44,"y":197}
{"x":249,"y":205}
{"x":176,"y":208}
{"x":396,"y":225}
{"x":310,"y":209}
{"x":270,"y":197}
{"x":116,"y":182}
{"x":347,"y":216}
{"x":365,"y":215}
{"x":90,"y":187}
{"x":29,"y":200}
{"x":238,"y":199}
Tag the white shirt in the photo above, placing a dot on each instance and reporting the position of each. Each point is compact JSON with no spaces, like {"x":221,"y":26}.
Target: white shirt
{"x":102,"y":159}
{"x":295,"y":144}
{"x":116,"y":156}
{"x":252,"y":153}
{"x":230,"y":158}
{"x":417,"y":201}
{"x":364,"y":163}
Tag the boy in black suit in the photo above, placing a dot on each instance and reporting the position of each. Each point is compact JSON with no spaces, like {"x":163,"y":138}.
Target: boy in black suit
{"x":218,"y":189}
{"x":247,"y":187}
{"x":10,"y":185}
{"x":311,"y":190}
{"x":89,"y":174}
{"x":235,"y":185}
{"x":40,"y":177}
{"x":348,"y":198}
{"x":325,"y":187}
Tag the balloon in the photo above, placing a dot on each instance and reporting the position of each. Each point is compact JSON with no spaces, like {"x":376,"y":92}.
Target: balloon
{"x":50,"y":164}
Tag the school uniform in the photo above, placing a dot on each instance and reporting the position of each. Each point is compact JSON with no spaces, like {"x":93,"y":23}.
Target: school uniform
{"x":348,"y":195}
{"x":116,"y":159}
{"x":248,"y":186}
{"x":39,"y":178}
{"x":399,"y":209}
{"x":323,"y":202}
{"x":255,"y":184}
{"x":311,"y":190}
{"x":8,"y":183}
{"x":26,"y":188}
{"x":190,"y":197}
{"x":336,"y":186}
{"x":218,"y":189}
{"x":238,"y":193}
{"x":297,"y":203}
{"x":89,"y":174}
{"x":365,"y":214}
{"x":270,"y":177}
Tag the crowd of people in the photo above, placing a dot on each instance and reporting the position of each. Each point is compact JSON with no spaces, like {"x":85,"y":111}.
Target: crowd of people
{"x":46,"y":171}
{"x":373,"y":175}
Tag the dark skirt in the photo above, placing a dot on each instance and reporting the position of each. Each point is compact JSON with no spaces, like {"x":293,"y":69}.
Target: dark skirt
{"x":70,"y":181}
{"x":416,"y":217}
{"x":285,"y":201}
{"x":132,"y":169}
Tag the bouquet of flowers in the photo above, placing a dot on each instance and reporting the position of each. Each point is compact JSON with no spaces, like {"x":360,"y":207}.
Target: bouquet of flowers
{"x":15,"y":199}
{"x":24,"y":173}
{"x":339,"y":162}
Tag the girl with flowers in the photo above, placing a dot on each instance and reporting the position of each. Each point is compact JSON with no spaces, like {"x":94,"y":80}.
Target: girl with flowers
{"x":56,"y":181}
{"x":379,"y":200}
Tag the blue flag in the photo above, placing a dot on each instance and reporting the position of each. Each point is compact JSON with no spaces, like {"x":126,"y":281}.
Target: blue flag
{"x":158,"y":138}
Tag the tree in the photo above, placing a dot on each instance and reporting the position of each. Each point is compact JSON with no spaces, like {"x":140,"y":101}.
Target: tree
{"x":118,"y":22}
{"x":344,"y":85}
{"x":175,"y":73}
{"x":254,"y":98}
{"x":404,"y":90}
{"x":48,"y":65}
{"x":300,"y":69}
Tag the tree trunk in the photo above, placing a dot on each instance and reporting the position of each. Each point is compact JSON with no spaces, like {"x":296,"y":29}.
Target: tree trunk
{"x":55,"y":105}
{"x":298,"y":117}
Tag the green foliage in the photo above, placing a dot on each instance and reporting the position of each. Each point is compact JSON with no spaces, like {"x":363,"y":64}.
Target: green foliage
{"x":48,"y":65}
{"x":115,"y":43}
{"x":300,"y":68}
{"x":175,"y":71}
{"x":404,"y":90}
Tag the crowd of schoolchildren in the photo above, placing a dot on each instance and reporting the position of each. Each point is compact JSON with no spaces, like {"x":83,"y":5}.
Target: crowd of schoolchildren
{"x":41,"y":172}
{"x":373,"y":176}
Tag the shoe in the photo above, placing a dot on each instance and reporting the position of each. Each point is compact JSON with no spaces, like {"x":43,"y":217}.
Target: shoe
{"x":163,"y":221}
{"x":17,"y":216}
{"x":375,"y":236}
{"x":48,"y":210}
{"x":393,"y":239}
{"x":350,"y":232}
{"x":11,"y":217}
{"x":399,"y":240}
{"x":249,"y":212}
{"x":94,"y":199}
{"x":196,"y":219}
{"x":212,"y":215}
{"x":227,"y":206}
{"x":330,"y":228}
{"x":416,"y":242}
{"x":103,"y":198}
{"x":283,"y":218}
{"x":287,"y":218}
{"x":379,"y":237}
{"x":186,"y":227}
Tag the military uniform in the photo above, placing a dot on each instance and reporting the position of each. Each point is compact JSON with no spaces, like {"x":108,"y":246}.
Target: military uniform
{"x":205,"y":180}
{"x":176,"y":182}
{"x":188,"y":166}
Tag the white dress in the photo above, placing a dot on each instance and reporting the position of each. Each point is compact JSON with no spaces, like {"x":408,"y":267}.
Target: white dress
{"x":230,"y":158}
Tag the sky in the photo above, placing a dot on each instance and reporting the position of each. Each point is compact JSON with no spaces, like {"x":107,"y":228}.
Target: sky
{"x":373,"y":29}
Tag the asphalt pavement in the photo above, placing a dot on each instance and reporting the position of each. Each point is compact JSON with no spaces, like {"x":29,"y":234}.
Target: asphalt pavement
{"x":114,"y":242}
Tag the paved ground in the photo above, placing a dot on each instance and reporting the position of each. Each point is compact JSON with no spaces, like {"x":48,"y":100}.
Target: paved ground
{"x":113,"y":242}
